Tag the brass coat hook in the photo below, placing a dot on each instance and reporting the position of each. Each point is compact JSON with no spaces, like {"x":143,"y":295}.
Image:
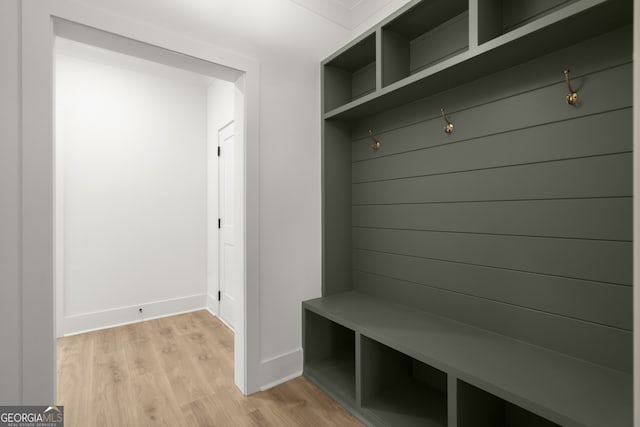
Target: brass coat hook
{"x":448,"y":128}
{"x":376,"y":143}
{"x":572,"y":96}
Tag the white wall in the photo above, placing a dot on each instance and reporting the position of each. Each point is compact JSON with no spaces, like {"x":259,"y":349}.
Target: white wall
{"x":10,"y":208}
{"x":290,"y":223}
{"x":290,"y":198}
{"x":220,"y":111}
{"x":133,"y":139}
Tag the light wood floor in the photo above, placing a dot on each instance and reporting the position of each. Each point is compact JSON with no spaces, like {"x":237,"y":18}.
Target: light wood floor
{"x":176,"y":371}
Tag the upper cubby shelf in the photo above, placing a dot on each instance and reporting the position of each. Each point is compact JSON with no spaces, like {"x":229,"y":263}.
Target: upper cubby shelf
{"x":434,"y":45}
{"x":498,"y":17}
{"x":351,"y":74}
{"x":428,"y":33}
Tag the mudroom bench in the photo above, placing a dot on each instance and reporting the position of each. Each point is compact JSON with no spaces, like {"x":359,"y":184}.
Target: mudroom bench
{"x":392,"y":365}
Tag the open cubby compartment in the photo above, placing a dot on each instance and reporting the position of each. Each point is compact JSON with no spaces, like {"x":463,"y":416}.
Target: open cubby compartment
{"x":498,"y":17}
{"x":400,"y":390}
{"x":478,"y":408}
{"x":428,"y":33}
{"x":351,"y":74}
{"x":330,"y":355}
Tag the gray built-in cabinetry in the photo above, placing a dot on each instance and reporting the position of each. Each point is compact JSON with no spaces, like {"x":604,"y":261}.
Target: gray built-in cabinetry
{"x":481,"y":277}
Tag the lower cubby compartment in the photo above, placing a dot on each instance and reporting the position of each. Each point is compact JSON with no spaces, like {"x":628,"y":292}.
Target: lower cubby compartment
{"x":400,"y":390}
{"x":478,"y":408}
{"x":330,"y":355}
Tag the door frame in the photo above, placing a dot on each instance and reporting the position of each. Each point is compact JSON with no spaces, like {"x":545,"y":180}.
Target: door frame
{"x":40,"y":26}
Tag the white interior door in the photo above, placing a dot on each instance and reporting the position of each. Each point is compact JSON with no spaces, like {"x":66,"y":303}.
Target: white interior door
{"x":228,"y":282}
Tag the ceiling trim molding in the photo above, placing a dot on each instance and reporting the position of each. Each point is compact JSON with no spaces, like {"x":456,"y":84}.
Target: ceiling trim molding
{"x":341,"y":12}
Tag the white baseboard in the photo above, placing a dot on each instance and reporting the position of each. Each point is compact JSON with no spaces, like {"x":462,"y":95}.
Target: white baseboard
{"x":280,"y":369}
{"x":87,"y":322}
{"x":212,"y":304}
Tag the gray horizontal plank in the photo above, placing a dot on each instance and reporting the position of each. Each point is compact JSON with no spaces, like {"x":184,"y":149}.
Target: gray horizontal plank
{"x":595,"y":260}
{"x":542,"y":77}
{"x":606,"y":219}
{"x":580,"y":339}
{"x":595,"y":302}
{"x":584,"y":340}
{"x":561,"y":388}
{"x":604,"y":176}
{"x":600,"y":92}
{"x":605,"y":133}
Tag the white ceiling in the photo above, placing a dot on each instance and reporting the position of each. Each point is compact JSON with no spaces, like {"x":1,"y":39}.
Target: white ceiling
{"x":347,"y":13}
{"x":254,"y":27}
{"x":349,"y":4}
{"x":262,"y":28}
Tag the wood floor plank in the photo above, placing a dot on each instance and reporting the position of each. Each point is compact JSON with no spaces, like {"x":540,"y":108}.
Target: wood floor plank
{"x":136,"y":332}
{"x":106,"y":340}
{"x":112,"y":394}
{"x":75,"y":385}
{"x":185,"y":324}
{"x":204,"y":319}
{"x":257,"y":419}
{"x":183,"y":376}
{"x":142,"y":357}
{"x":211,"y":411}
{"x":176,"y":371}
{"x":155,"y":404}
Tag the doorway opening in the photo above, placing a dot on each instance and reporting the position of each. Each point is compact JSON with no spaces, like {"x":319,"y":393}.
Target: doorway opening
{"x":135,"y":245}
{"x":41,"y":23}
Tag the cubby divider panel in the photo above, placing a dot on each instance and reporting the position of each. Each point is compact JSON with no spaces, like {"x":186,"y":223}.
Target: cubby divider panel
{"x":400,"y":390}
{"x":426,"y":34}
{"x":478,"y":408}
{"x":329,"y":354}
{"x":351,"y":74}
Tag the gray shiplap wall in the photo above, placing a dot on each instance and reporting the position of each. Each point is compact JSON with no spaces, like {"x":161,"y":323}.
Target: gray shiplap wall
{"x":520,"y":221}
